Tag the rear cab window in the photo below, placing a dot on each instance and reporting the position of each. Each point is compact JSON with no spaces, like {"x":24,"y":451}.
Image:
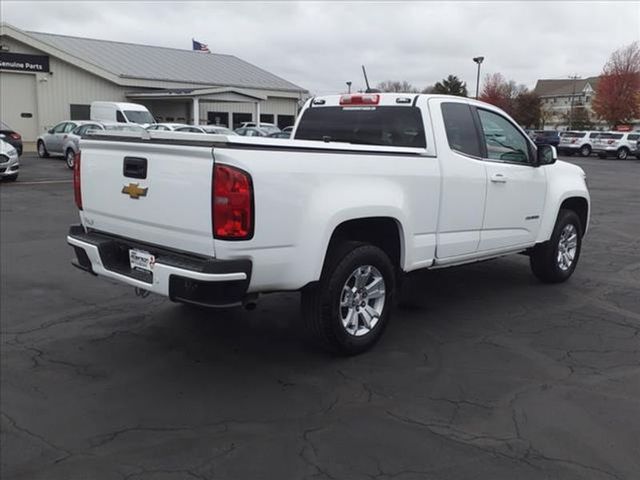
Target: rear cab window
{"x":386,"y":125}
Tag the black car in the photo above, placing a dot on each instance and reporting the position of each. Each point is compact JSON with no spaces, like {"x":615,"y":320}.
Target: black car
{"x":11,"y":137}
{"x":546,"y":137}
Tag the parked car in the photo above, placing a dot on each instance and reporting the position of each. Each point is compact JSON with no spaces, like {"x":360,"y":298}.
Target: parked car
{"x":251,"y":132}
{"x":546,"y":137}
{"x":280,"y":135}
{"x":357,"y":199}
{"x":166,"y":127}
{"x":71,"y":144}
{"x":265,"y":126}
{"x":50,"y":143}
{"x":9,"y":162}
{"x":616,"y":144}
{"x":10,"y":136}
{"x":576,"y":142}
{"x":120,"y":112}
{"x":210,"y":129}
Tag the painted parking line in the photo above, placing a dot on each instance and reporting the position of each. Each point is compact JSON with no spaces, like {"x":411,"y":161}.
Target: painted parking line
{"x":39,"y":182}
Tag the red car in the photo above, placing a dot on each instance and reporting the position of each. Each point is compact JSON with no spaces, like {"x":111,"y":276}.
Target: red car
{"x":11,"y":137}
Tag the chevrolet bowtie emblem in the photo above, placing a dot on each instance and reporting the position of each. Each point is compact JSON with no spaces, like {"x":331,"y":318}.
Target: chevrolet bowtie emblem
{"x":135,"y":191}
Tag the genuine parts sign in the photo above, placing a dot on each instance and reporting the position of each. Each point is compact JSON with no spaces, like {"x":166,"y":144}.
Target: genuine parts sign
{"x":23,"y":62}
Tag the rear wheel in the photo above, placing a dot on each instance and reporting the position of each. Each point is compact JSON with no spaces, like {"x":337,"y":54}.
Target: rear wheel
{"x":622,"y":154}
{"x":70,"y":158}
{"x":349,"y":308}
{"x":42,"y":150}
{"x":585,"y":151}
{"x":554,"y":261}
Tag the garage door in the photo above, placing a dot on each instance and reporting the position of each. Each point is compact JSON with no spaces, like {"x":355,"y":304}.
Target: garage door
{"x":18,"y":103}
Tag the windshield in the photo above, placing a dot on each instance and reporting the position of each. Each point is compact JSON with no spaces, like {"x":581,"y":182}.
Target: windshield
{"x":269,"y":128}
{"x":387,"y":126}
{"x":139,"y":116}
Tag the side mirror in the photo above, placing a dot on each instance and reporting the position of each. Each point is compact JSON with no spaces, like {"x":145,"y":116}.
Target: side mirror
{"x":547,"y":155}
{"x":50,"y":130}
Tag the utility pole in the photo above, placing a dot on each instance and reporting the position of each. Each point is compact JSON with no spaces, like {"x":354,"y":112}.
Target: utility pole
{"x":573,"y":94}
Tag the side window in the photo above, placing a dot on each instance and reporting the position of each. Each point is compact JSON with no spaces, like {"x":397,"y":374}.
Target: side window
{"x":60,"y":127}
{"x":120,"y":117}
{"x":504,"y":141}
{"x":461,"y":131}
{"x":633,"y":137}
{"x":70,"y":126}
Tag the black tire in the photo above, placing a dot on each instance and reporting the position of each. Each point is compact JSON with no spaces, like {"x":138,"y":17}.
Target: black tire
{"x":585,"y":151}
{"x":622,"y":154}
{"x":544,"y":259}
{"x":321,"y":310}
{"x":69,"y":160}
{"x":42,"y":150}
{"x":11,"y":178}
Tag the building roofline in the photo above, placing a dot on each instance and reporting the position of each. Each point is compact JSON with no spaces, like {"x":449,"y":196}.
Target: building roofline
{"x":27,"y":38}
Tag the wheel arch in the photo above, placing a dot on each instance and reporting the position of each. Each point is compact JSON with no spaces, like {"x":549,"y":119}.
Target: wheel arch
{"x":385,"y":232}
{"x":580,"y":206}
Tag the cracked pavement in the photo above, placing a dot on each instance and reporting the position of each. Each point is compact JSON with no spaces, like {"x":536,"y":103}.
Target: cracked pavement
{"x":488,"y":374}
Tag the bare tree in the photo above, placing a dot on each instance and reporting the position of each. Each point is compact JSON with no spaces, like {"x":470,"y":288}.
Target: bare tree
{"x":396,"y":86}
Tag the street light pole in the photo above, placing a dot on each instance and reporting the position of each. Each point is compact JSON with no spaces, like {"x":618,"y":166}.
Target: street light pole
{"x":349,"y":86}
{"x":479,"y":61}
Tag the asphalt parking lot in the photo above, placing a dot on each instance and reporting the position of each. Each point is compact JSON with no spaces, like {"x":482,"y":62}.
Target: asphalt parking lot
{"x":490,"y":375}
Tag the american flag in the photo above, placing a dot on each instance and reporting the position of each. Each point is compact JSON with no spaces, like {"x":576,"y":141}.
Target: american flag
{"x":200,"y":47}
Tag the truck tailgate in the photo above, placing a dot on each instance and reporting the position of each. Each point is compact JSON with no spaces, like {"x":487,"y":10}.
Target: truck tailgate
{"x":168,"y":203}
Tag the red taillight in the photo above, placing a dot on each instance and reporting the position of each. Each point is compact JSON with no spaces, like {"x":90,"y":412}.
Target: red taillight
{"x":15,"y":136}
{"x":232,"y":208}
{"x":77,"y":191}
{"x":360,"y":99}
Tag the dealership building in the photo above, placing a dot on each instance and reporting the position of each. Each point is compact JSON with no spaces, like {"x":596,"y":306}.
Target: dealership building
{"x":47,"y":78}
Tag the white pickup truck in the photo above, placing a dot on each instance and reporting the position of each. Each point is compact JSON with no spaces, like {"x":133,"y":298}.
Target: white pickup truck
{"x":372,"y":186}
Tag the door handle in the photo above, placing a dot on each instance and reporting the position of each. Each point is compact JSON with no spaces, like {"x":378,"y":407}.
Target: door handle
{"x":498,"y":178}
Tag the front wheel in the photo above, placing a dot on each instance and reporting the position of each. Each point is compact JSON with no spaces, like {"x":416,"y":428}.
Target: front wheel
{"x":42,"y":150}
{"x":70,"y":158}
{"x":623,"y":153}
{"x":555,"y":261}
{"x":11,"y":178}
{"x":349,"y":308}
{"x":585,"y":151}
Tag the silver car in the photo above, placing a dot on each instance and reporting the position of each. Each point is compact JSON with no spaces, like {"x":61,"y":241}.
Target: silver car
{"x":71,"y":144}
{"x":165,"y":127}
{"x":50,"y":143}
{"x":9,"y":162}
{"x":210,"y":129}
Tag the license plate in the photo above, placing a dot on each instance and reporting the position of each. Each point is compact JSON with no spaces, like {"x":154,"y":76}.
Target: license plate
{"x":141,"y":260}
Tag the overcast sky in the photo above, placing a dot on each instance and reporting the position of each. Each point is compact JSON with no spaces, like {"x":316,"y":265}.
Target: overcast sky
{"x":321,"y":45}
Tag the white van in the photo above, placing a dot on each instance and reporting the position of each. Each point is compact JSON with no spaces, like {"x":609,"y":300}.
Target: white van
{"x":120,"y":112}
